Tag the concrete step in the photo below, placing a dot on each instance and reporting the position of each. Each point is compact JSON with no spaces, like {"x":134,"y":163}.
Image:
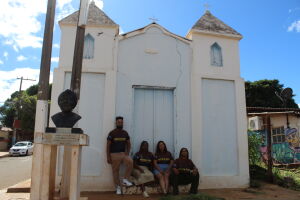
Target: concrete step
{"x":22,"y":187}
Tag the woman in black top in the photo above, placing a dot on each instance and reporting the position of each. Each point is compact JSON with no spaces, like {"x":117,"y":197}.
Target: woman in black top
{"x":163,"y":162}
{"x":143,"y":165}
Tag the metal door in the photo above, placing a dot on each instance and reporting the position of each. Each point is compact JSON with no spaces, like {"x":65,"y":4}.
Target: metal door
{"x":153,"y":118}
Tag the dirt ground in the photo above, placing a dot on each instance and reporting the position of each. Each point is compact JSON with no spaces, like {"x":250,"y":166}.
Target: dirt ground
{"x":266,"y":192}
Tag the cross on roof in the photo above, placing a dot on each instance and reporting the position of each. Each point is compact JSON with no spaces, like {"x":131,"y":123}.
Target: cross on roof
{"x":153,"y":19}
{"x":206,"y":6}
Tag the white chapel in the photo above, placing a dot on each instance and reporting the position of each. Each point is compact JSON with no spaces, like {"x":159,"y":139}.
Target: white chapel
{"x":186,"y":91}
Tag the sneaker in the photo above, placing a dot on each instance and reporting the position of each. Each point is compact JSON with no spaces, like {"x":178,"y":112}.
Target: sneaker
{"x":165,"y":192}
{"x":127,"y":182}
{"x":118,"y":190}
{"x":145,"y":194}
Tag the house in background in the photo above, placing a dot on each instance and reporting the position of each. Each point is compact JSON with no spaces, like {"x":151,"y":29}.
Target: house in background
{"x":186,"y":91}
{"x":5,"y":138}
{"x":285,"y":126}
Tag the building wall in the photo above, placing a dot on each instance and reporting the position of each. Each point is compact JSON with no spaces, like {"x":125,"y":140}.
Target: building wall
{"x":230,"y":72}
{"x":4,"y":139}
{"x":96,"y":172}
{"x":278,"y":121}
{"x":104,"y":48}
{"x":155,"y":59}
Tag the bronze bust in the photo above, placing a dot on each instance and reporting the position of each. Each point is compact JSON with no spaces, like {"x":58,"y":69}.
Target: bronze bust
{"x":67,"y":101}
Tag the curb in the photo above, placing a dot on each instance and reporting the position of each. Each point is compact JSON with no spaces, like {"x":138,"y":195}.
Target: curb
{"x":21,"y":187}
{"x":18,"y":190}
{"x":5,"y":155}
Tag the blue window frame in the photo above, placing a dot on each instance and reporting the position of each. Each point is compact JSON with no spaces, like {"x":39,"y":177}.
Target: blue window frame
{"x":216,"y":55}
{"x":88,"y":48}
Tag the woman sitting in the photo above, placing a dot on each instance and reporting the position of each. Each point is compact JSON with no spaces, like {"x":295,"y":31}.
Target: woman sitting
{"x":163,"y":162}
{"x":143,"y":165}
{"x":185,"y":172}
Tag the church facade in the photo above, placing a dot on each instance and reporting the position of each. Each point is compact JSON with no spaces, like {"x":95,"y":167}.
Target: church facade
{"x":186,"y":91}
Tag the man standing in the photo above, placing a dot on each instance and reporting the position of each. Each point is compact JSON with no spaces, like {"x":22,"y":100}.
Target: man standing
{"x":117,"y":150}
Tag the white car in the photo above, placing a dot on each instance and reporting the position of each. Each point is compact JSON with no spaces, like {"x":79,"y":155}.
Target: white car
{"x":21,"y":148}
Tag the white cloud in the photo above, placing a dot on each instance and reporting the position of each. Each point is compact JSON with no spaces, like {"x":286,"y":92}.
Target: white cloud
{"x":65,"y":8}
{"x":21,"y":58}
{"x":9,"y":82}
{"x":1,"y":62}
{"x":121,"y":31}
{"x":20,"y":21}
{"x":56,"y":46}
{"x":5,"y":54}
{"x":295,"y":26}
{"x":99,"y":3}
{"x":54,"y":59}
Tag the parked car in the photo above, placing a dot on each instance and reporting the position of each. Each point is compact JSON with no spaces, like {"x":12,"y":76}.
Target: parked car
{"x":21,"y":148}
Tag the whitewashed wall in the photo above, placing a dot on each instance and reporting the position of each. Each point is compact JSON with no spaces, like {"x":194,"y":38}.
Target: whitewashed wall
{"x":98,"y":101}
{"x":234,"y":135}
{"x":155,"y":58}
{"x":278,"y":121}
{"x":104,"y":47}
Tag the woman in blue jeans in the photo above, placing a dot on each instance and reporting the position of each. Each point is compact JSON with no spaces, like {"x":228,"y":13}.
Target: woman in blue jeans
{"x":163,"y":162}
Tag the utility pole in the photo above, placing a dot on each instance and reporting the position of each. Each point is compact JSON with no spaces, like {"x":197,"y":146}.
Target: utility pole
{"x":38,"y":182}
{"x":78,"y":50}
{"x":75,"y":87}
{"x":269,"y":147}
{"x":17,"y":117}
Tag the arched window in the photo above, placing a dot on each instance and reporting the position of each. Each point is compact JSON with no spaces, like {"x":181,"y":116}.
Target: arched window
{"x":88,"y":48}
{"x":216,"y":55}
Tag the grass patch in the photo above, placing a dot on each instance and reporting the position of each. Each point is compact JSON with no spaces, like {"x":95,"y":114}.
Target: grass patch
{"x":288,"y":178}
{"x":191,"y":197}
{"x":255,"y":183}
{"x":284,"y":177}
{"x":253,"y":191}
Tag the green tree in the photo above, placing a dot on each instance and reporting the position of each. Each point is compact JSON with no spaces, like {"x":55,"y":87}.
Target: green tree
{"x":261,"y":93}
{"x":254,"y":142}
{"x":27,"y":111}
{"x":7,"y":114}
{"x":25,"y":104}
{"x":32,"y":90}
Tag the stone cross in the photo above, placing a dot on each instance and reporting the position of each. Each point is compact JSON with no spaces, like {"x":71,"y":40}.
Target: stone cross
{"x":153,"y":19}
{"x":206,"y":6}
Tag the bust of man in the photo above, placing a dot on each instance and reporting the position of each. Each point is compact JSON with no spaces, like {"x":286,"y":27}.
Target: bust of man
{"x":67,"y":101}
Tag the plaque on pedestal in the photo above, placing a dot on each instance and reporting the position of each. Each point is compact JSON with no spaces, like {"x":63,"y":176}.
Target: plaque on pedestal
{"x":62,"y":136}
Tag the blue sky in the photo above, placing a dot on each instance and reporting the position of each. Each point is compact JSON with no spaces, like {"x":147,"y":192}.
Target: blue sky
{"x":269,"y":49}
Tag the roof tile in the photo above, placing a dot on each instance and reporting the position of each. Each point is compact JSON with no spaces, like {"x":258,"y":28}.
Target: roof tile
{"x":209,"y":23}
{"x":96,"y":17}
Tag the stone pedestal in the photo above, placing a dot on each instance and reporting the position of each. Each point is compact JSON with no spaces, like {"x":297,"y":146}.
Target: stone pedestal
{"x":50,"y":141}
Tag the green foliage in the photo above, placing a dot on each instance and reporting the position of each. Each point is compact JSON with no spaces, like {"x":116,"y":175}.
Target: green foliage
{"x":27,"y":111}
{"x":255,"y":183}
{"x":7,"y":114}
{"x":32,"y":90}
{"x":23,"y":104}
{"x":258,"y":172}
{"x":254,"y":142}
{"x":262,"y":94}
{"x":200,"y":196}
{"x":289,"y":178}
